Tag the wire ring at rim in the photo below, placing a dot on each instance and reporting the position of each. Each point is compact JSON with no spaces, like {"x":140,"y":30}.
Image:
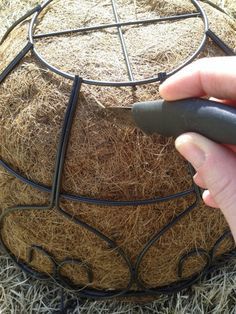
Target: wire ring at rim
{"x":122,"y":83}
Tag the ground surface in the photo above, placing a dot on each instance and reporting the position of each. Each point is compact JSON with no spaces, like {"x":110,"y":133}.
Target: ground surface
{"x":19,"y":294}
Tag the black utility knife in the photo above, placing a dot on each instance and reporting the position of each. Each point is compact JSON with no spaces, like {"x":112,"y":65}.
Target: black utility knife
{"x":172,"y":118}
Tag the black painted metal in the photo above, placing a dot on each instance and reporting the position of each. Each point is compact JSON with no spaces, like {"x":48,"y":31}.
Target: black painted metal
{"x":14,"y":62}
{"x":220,"y":43}
{"x":115,"y":25}
{"x":212,"y":261}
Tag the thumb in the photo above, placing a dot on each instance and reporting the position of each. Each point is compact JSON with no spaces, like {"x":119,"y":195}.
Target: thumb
{"x":216,"y":166}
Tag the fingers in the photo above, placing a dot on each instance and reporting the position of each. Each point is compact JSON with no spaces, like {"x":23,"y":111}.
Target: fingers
{"x":214,"y":76}
{"x":215,"y":164}
{"x":199,"y":181}
{"x":225,"y":101}
{"x":216,"y":168}
{"x":209,"y":200}
{"x":229,"y":102}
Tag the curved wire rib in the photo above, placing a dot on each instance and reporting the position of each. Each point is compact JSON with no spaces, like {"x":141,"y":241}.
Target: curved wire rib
{"x":211,"y":264}
{"x":111,"y":244}
{"x":212,"y":259}
{"x":55,"y":197}
{"x":21,"y":19}
{"x":82,"y":264}
{"x":155,"y":238}
{"x":225,"y":235}
{"x":193,"y":252}
{"x":49,"y":256}
{"x":90,"y":200}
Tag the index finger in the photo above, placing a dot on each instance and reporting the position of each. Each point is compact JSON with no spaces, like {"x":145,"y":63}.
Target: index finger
{"x":214,"y":77}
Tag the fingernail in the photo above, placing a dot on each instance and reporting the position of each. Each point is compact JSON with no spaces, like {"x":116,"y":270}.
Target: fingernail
{"x":190,"y":150}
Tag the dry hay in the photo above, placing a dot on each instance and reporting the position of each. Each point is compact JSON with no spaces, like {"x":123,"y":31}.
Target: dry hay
{"x":21,"y":294}
{"x":103,"y":160}
{"x":228,"y":5}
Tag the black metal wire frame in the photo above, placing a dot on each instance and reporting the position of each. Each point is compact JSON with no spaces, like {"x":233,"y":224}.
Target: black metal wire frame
{"x":212,"y":260}
{"x":132,"y":82}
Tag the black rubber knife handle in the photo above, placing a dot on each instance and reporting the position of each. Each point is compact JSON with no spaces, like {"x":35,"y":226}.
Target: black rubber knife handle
{"x":209,"y":118}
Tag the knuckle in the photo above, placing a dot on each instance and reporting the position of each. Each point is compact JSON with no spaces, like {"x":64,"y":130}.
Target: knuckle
{"x":224,"y":191}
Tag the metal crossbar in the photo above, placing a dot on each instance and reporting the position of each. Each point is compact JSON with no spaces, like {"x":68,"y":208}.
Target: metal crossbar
{"x":113,"y":25}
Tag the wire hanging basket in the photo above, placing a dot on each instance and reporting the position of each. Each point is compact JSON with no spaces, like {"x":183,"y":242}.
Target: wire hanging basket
{"x":135,"y":286}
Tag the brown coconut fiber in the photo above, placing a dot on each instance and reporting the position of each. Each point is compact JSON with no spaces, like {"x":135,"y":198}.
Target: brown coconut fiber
{"x":104,"y":160}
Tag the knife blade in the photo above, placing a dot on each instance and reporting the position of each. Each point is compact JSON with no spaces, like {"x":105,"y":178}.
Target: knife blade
{"x":172,"y":118}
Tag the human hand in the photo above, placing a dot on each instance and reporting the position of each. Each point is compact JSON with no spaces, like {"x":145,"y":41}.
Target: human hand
{"x":215,"y":164}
